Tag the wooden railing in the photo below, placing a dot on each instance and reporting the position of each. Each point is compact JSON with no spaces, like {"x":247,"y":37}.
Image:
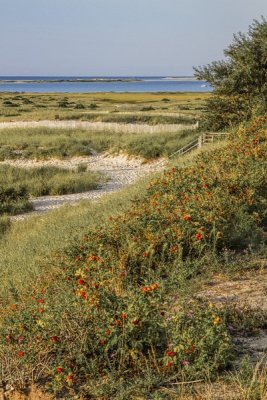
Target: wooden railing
{"x":202,"y":140}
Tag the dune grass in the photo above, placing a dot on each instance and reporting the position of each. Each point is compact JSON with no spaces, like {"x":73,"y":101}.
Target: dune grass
{"x":48,"y":180}
{"x":43,"y":143}
{"x":134,"y":118}
{"x":17,"y":185}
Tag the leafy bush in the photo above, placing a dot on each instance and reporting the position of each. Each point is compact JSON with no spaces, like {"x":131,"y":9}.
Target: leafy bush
{"x":240,"y":81}
{"x":9,"y":103}
{"x":87,"y":326}
{"x":149,"y":108}
{"x":93,"y":106}
{"x":79,"y":106}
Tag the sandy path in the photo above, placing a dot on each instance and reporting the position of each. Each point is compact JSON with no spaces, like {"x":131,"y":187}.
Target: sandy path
{"x":98,"y":126}
{"x":120,"y":171}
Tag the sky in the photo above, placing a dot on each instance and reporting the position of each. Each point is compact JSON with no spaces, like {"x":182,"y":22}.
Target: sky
{"x":118,"y":37}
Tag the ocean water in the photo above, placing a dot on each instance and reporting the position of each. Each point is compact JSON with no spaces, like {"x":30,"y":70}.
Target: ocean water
{"x":143,"y":84}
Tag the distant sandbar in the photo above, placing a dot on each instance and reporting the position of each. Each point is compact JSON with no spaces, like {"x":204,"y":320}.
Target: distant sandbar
{"x":76,"y":80}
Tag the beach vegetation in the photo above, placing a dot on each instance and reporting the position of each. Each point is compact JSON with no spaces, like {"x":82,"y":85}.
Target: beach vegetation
{"x":116,"y":313}
{"x":45,"y":143}
{"x":48,"y":180}
{"x":13,"y":200}
{"x":18,"y":185}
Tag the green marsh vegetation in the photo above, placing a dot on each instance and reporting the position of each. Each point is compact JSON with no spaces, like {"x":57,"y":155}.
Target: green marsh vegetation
{"x":135,"y":118}
{"x":151,"y":108}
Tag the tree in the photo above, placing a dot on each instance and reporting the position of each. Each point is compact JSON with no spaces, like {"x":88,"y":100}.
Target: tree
{"x":239,"y":81}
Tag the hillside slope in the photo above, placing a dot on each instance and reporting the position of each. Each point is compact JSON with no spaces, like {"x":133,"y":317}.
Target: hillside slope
{"x":119,"y":316}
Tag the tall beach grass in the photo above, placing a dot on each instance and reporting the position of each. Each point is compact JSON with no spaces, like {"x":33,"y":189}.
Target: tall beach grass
{"x":43,"y":143}
{"x":49,"y":180}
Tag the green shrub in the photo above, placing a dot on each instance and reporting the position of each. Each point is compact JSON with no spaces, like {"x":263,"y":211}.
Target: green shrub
{"x":239,"y":81}
{"x":64,"y":103}
{"x":111,"y":328}
{"x":93,"y":106}
{"x":147,"y":108}
{"x":9,"y":103}
{"x":79,"y":106}
{"x":14,"y":200}
{"x":27,"y":101}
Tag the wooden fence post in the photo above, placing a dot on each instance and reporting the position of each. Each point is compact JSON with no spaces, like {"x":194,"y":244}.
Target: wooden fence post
{"x":200,"y":141}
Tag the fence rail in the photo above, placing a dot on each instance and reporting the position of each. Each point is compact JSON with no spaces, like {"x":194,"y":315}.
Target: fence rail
{"x":202,"y":140}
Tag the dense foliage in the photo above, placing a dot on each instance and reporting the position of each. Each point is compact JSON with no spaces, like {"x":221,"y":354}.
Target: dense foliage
{"x":13,"y":200}
{"x":116,"y":306}
{"x":240,"y":81}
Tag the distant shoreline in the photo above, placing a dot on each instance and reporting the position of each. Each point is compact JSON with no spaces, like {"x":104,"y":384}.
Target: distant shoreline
{"x":75,"y":80}
{"x":65,"y":84}
{"x":51,"y":79}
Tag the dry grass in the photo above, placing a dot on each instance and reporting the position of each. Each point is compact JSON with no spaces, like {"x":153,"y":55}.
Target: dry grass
{"x":113,"y":127}
{"x":44,"y":143}
{"x":38,"y":106}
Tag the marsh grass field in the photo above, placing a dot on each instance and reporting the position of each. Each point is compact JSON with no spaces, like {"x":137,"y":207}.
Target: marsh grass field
{"x":104,"y":300}
{"x":152,"y":108}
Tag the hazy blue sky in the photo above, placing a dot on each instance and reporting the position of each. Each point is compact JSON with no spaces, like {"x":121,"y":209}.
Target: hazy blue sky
{"x":118,"y":37}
